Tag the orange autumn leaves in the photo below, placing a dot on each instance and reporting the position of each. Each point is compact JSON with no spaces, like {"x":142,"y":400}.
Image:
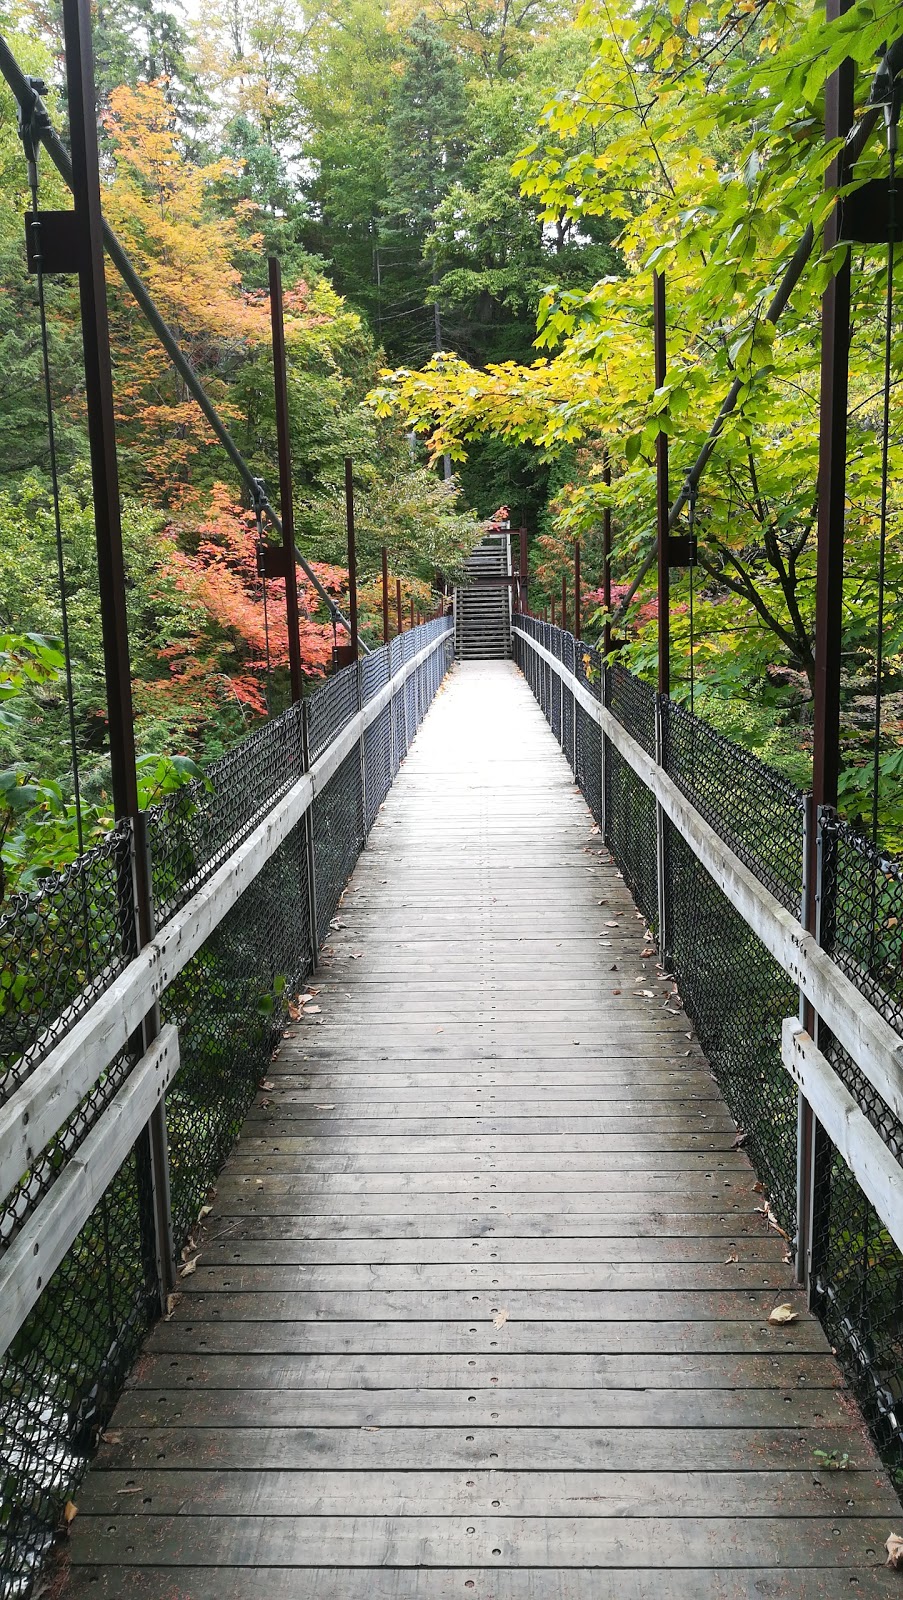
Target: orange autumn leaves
{"x":184,"y":247}
{"x":214,"y":563}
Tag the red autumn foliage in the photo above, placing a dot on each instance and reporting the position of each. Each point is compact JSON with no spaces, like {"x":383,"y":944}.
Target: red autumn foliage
{"x":646,"y":611}
{"x":214,"y":562}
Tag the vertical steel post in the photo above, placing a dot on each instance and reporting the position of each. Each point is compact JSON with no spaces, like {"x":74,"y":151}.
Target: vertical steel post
{"x":606,"y":556}
{"x":662,"y":507}
{"x":80,"y":86}
{"x":385,"y":564}
{"x":524,"y":579}
{"x":662,"y":501}
{"x":398,"y":616}
{"x":577,"y":602}
{"x":553,"y":611}
{"x":99,"y":403}
{"x":309,"y":843}
{"x":564,"y":600}
{"x":604,"y":687}
{"x":812,"y":1151}
{"x":352,"y":557}
{"x":412,"y":609}
{"x":286,"y":502}
{"x":152,"y":1158}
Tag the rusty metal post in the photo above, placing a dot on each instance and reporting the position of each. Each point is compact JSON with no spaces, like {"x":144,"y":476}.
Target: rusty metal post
{"x":385,"y":562}
{"x":352,"y":557}
{"x":564,"y":600}
{"x":286,"y":502}
{"x":398,"y":615}
{"x":662,"y":507}
{"x":99,"y":404}
{"x":151,"y":1146}
{"x":577,"y":603}
{"x":661,"y":489}
{"x":813,"y":1149}
{"x":524,"y":576}
{"x":552,"y":610}
{"x":412,"y":609}
{"x":606,"y":556}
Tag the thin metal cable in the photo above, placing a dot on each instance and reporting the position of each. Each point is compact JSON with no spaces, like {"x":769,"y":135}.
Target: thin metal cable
{"x":57,"y":518}
{"x":885,"y":454}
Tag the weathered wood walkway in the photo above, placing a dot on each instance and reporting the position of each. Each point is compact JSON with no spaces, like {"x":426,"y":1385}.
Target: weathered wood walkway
{"x":483,"y":1309}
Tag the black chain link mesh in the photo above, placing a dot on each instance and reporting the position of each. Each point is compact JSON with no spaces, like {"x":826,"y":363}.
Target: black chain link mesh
{"x":193,"y":831}
{"x":61,"y":1376}
{"x":858,"y":1271}
{"x":754,"y":809}
{"x":857,"y":1266}
{"x":865,"y":892}
{"x":633,"y":703}
{"x":736,"y":996}
{"x":229,"y":1004}
{"x":61,"y":945}
{"x":630,"y":833}
{"x":330,"y":709}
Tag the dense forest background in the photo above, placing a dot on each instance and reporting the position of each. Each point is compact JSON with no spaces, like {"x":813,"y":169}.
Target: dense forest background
{"x":467,"y":198}
{"x":349,"y":140}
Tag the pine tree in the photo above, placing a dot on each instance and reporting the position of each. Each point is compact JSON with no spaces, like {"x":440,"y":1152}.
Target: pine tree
{"x":426,"y":147}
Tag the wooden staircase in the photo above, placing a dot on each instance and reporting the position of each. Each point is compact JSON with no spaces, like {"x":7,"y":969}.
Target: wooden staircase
{"x":483,"y":608}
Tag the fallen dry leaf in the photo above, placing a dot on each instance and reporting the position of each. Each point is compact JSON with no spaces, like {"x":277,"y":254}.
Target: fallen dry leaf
{"x":112,"y":1437}
{"x":728,"y":1260}
{"x":894,"y":1548}
{"x":783,"y":1314}
{"x":204,"y":1212}
{"x":70,"y":1512}
{"x":189,"y":1267}
{"x":500,"y":1318}
{"x":266,"y":1084}
{"x":172,"y":1301}
{"x":311,"y":1011}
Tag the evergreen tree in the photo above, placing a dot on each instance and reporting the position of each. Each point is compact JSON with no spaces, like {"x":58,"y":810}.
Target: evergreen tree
{"x":426,"y":147}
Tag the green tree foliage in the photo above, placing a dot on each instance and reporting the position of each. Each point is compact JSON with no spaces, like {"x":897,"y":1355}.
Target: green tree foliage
{"x":699,"y":136}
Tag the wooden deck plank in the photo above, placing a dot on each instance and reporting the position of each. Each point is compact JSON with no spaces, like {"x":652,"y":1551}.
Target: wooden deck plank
{"x":482,"y":1307}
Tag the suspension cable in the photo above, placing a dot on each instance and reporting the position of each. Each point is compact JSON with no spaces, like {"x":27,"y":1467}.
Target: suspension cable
{"x":30,"y":144}
{"x":891,"y":114}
